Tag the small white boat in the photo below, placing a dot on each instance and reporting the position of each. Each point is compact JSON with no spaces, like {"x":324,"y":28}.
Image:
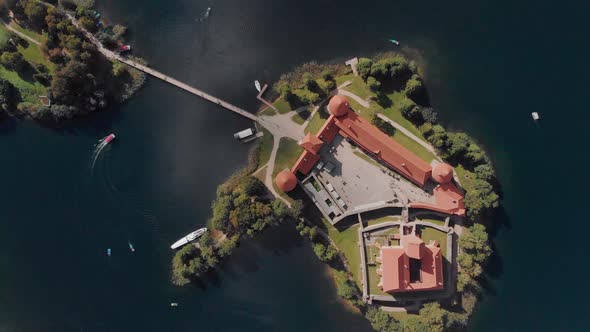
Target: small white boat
{"x":535,"y":116}
{"x":207,"y":12}
{"x":257,"y":85}
{"x":189,"y":238}
{"x":173,"y":304}
{"x":394,"y":41}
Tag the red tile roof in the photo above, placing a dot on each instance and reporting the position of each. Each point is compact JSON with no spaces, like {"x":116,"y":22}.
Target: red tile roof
{"x":311,"y":143}
{"x":338,"y":105}
{"x":442,"y":173}
{"x":286,"y":181}
{"x":305,"y":162}
{"x":395,"y":268}
{"x":383,"y":147}
{"x":448,"y":199}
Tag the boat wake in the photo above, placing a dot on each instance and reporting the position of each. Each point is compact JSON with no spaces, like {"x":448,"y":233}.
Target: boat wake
{"x":98,"y":149}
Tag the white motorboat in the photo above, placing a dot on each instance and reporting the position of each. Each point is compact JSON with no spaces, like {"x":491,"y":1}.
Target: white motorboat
{"x":189,"y":238}
{"x":257,"y":85}
{"x":535,"y":116}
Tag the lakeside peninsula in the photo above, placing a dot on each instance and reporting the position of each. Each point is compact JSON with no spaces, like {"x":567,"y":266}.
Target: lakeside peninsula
{"x":50,"y":70}
{"x":391,"y":201}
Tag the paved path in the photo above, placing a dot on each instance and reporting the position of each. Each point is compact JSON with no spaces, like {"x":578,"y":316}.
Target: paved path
{"x":270,"y":166}
{"x":20,"y":34}
{"x":356,"y":98}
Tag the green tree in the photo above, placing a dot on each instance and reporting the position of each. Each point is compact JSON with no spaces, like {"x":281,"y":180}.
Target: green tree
{"x":429,"y":115}
{"x":88,"y":24}
{"x":327,"y":75}
{"x":326,"y":253}
{"x":484,"y":172}
{"x":8,"y":94}
{"x":407,"y":108}
{"x":373,"y":84}
{"x":475,"y":155}
{"x":457,"y":144}
{"x":119,"y":31}
{"x":382,"y":321}
{"x":363,"y":67}
{"x":438,"y":137}
{"x":35,"y":12}
{"x":13,"y":60}
{"x":434,"y":317}
{"x":415,"y":324}
{"x":415,"y":88}
{"x":481,"y":198}
{"x":475,"y":243}
{"x":252,"y":186}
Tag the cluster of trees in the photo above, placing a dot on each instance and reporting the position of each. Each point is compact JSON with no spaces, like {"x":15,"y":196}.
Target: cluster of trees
{"x":475,"y":250}
{"x":8,"y":95}
{"x":239,"y":209}
{"x":310,"y":91}
{"x":84,"y":80}
{"x":308,"y":84}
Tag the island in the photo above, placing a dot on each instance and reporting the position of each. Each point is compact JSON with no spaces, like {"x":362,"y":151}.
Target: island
{"x":397,"y":206}
{"x":51,"y":70}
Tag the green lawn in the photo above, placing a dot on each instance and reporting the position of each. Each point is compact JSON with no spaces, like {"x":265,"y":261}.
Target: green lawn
{"x":282,"y":105}
{"x":347,"y":242}
{"x":358,"y":86}
{"x":4,"y":36}
{"x":301,"y":116}
{"x":383,"y":219}
{"x":413,"y":146}
{"x":466,"y":177}
{"x":38,"y":37}
{"x":29,"y":90}
{"x":440,"y":222}
{"x":317,"y":121}
{"x":265,"y":148}
{"x":33,"y":55}
{"x":287,"y":154}
{"x":394,"y":113}
{"x":429,"y":233}
{"x":268,"y":112}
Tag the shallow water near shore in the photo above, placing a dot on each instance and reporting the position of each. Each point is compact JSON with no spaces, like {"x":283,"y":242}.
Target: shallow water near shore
{"x":488,"y":65}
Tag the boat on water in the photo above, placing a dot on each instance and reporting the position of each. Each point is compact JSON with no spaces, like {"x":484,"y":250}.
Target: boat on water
{"x":131,"y":246}
{"x":394,"y":41}
{"x":108,"y":138}
{"x":189,"y":238}
{"x":124,"y":48}
{"x":173,"y":304}
{"x":535,"y":116}
{"x":257,"y":85}
{"x":207,"y":12}
{"x":109,"y":252}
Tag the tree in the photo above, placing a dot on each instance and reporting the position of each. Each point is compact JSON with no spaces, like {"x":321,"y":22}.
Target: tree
{"x":35,"y":12}
{"x":344,"y":287}
{"x":481,"y":198}
{"x":475,"y":155}
{"x":434,"y":316}
{"x":438,"y":138}
{"x":383,"y":125}
{"x":13,"y":60}
{"x":475,"y":243}
{"x":8,"y":94}
{"x":227,"y":246}
{"x":414,"y":88}
{"x":373,"y":84}
{"x":327,"y":75}
{"x":407,"y":108}
{"x":382,"y":321}
{"x":363,"y":67}
{"x":429,"y":115}
{"x":119,"y":31}
{"x":484,"y":172}
{"x":252,"y":186}
{"x":296,"y":209}
{"x":457,"y":144}
{"x":326,"y":253}
{"x":88,"y":24}
{"x":415,"y":324}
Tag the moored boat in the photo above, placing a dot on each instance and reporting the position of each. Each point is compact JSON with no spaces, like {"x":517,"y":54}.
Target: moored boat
{"x":189,"y":238}
{"x":394,"y":41}
{"x":257,"y":85}
{"x":535,"y":116}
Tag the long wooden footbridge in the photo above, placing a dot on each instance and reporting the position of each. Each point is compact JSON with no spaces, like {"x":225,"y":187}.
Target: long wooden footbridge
{"x":114,"y":56}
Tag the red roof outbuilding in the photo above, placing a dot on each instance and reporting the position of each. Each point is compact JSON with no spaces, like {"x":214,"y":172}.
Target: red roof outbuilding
{"x":311,"y":143}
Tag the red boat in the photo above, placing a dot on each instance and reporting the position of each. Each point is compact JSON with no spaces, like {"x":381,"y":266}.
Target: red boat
{"x":125,"y":48}
{"x":109,"y":138}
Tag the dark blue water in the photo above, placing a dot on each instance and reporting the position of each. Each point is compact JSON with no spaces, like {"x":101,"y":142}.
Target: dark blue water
{"x":488,"y":66}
